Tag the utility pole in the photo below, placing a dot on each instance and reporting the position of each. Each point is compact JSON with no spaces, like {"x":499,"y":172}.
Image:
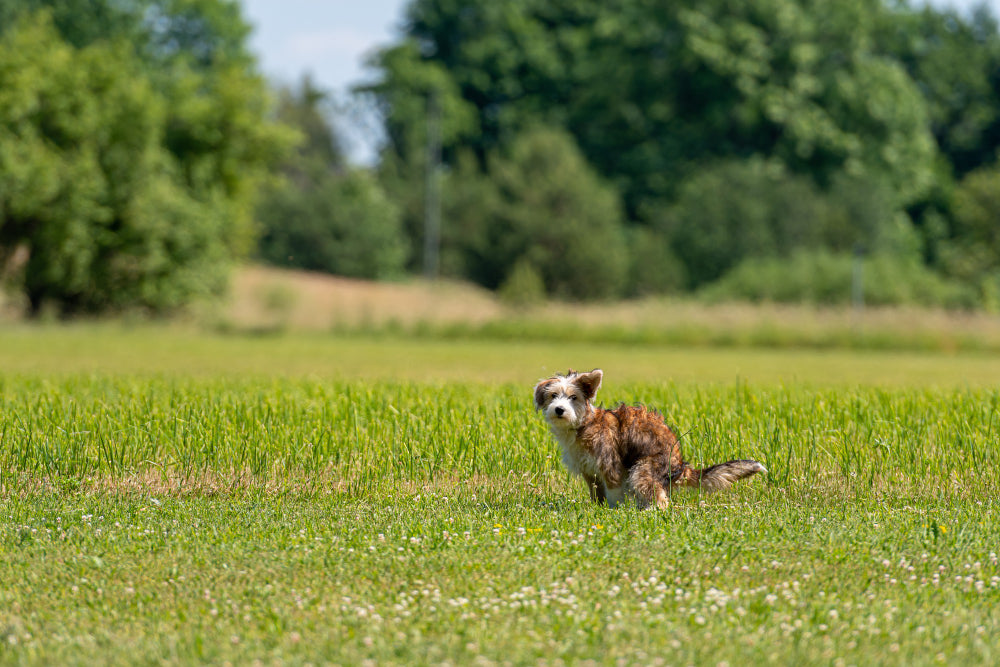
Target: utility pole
{"x":432,"y":189}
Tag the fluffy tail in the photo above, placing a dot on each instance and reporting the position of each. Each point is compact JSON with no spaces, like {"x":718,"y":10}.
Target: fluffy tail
{"x":720,"y":476}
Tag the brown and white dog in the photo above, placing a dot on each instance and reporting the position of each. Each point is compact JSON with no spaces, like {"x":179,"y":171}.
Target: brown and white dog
{"x":625,"y":451}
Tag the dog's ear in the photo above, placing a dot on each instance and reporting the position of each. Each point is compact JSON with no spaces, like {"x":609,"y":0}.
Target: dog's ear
{"x":590,"y":382}
{"x":540,"y":392}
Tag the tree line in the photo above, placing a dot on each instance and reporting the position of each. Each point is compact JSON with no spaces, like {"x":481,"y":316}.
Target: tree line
{"x":709,"y":140}
{"x":582,"y":150}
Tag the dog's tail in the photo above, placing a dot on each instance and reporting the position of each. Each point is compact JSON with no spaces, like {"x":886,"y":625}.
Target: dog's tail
{"x":720,"y":476}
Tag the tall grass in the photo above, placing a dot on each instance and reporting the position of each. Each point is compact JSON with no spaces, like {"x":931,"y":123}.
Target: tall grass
{"x":368,"y":435}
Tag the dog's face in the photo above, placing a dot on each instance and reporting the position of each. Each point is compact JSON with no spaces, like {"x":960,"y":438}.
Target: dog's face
{"x":565,"y":399}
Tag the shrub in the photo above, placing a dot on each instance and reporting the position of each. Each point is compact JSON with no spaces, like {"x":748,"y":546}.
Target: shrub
{"x":523,"y":287}
{"x":655,"y":268}
{"x":822,"y":277}
{"x":343,"y":224}
{"x":972,"y":255}
{"x":731,"y":211}
{"x":539,"y":204}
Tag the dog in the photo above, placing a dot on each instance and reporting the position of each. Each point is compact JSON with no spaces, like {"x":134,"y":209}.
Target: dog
{"x":628,"y":451}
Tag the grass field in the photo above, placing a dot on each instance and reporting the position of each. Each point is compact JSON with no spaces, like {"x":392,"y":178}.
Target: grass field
{"x":171,"y":496}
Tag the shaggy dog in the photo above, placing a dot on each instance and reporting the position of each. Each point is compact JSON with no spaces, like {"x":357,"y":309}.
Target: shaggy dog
{"x":625,"y":451}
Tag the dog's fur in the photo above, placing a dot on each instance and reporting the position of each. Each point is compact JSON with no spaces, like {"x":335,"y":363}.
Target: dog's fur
{"x":625,"y":451}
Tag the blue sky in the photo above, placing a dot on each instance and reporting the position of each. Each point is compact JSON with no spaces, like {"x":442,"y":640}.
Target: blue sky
{"x":329,"y":39}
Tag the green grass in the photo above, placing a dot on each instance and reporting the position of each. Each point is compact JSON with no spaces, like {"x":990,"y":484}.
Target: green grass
{"x":415,"y":578}
{"x":200,"y":499}
{"x":50,"y":351}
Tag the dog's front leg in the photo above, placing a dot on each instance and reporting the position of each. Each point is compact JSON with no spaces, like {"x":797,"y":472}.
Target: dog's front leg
{"x":597,"y":494}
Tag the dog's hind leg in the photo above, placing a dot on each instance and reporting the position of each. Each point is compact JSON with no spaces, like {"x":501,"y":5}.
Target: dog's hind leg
{"x":647,"y":487}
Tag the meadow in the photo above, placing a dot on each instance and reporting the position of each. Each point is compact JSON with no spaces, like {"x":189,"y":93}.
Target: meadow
{"x":178,"y":497}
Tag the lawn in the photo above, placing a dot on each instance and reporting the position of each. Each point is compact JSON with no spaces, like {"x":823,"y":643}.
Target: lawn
{"x":170,"y":496}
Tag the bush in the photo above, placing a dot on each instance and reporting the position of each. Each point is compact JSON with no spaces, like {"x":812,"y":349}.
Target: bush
{"x":523,"y":287}
{"x":733,"y":210}
{"x":655,"y":268}
{"x":740,"y":209}
{"x":541,"y":205}
{"x":344,"y":224}
{"x":972,"y":255}
{"x":822,"y":277}
{"x":557,"y":214}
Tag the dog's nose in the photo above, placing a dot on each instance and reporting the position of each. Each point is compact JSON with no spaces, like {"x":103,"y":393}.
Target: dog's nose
{"x":559,"y":411}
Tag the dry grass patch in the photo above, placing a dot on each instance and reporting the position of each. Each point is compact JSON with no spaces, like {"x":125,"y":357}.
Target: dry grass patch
{"x":269,"y":297}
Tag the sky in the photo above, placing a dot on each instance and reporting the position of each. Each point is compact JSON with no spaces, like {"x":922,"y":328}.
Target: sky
{"x":330,"y":39}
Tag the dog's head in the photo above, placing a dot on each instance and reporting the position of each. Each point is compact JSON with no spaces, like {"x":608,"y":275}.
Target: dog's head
{"x":566,"y":399}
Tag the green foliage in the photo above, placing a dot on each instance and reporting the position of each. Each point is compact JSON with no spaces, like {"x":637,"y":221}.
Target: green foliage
{"x":470,"y":200}
{"x":85,"y":186}
{"x":973,"y":253}
{"x":412,"y":94}
{"x":341,"y":223}
{"x":536,"y":205}
{"x":806,"y":77}
{"x":825,"y":278}
{"x":523,"y":287}
{"x":553,"y":213}
{"x":320,"y":215}
{"x":134,"y":138}
{"x":79,"y":23}
{"x":306,"y":109}
{"x":655,"y":267}
{"x":646,"y":91}
{"x":411,"y":86}
{"x":738,"y":209}
{"x":953,"y":58}
{"x":860,"y":111}
{"x":201,"y":33}
{"x":977,"y":213}
{"x":126,"y":187}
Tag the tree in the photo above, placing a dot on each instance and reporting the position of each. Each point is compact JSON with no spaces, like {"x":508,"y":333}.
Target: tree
{"x":650,"y":90}
{"x":200,"y":32}
{"x":549,"y":213}
{"x":409,"y":88}
{"x":127,"y":181}
{"x":739,"y":209}
{"x":972,"y":253}
{"x":955,"y":61}
{"x":341,"y":223}
{"x":320,"y":215}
